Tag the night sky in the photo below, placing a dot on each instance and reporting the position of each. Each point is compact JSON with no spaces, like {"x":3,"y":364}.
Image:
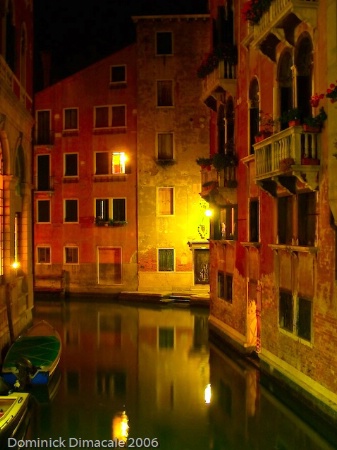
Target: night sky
{"x":77,"y":33}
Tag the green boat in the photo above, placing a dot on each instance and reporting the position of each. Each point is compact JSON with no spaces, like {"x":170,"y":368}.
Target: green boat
{"x":33,"y":357}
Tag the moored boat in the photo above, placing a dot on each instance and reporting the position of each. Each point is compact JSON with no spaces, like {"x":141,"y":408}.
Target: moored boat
{"x":33,"y":357}
{"x":13,"y":409}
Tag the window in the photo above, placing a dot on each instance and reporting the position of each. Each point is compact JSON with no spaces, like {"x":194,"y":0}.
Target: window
{"x":302,"y":231}
{"x":71,"y":255}
{"x":71,"y":165}
{"x":118,"y":209}
{"x":165,"y":93}
{"x":307,"y":219}
{"x":285,"y":220}
{"x":226,"y":227}
{"x":254,"y":221}
{"x":165,"y":146}
{"x":117,"y":74}
{"x":110,"y":163}
{"x":286,"y":311}
{"x":225,"y":289}
{"x":110,"y":116}
{"x":71,"y":210}
{"x":70,"y":119}
{"x":43,"y":182}
{"x":165,"y":201}
{"x":43,"y":255}
{"x":164,"y":43}
{"x":43,"y":128}
{"x":304,"y":319}
{"x":166,"y":259}
{"x":43,"y":211}
{"x":118,"y":163}
{"x":102,"y":210}
{"x":303,"y":307}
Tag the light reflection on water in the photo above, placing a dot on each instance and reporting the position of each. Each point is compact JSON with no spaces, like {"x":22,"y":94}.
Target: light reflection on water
{"x":154,"y":364}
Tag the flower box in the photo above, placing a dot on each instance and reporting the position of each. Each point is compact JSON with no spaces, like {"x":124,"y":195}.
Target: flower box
{"x":311,"y":128}
{"x":310,"y":161}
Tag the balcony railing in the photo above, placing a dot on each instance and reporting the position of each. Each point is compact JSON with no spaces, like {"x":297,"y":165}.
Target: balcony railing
{"x":218,"y":185}
{"x":223,"y":76}
{"x":274,"y":18}
{"x":291,"y":151}
{"x":8,"y":79}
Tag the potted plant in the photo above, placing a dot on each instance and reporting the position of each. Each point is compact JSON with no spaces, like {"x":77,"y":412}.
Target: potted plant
{"x":222,"y":160}
{"x":331,"y":92}
{"x":314,"y":124}
{"x":292,"y":117}
{"x":204,"y":162}
{"x":266,"y":126}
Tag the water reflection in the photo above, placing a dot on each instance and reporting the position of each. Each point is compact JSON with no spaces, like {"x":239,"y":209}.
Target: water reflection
{"x":150,"y":374}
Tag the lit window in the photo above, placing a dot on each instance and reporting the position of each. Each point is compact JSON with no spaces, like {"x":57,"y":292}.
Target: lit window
{"x":166,"y":259}
{"x":71,"y":255}
{"x":70,"y":119}
{"x":165,"y":93}
{"x":118,"y":162}
{"x":164,"y":43}
{"x":165,"y":201}
{"x":71,"y":210}
{"x":43,"y":255}
{"x":224,"y":226}
{"x":43,"y":211}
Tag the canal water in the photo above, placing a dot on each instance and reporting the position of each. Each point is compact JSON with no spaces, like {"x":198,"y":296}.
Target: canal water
{"x":151,"y":373}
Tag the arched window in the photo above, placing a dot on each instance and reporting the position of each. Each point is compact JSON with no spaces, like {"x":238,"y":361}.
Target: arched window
{"x":254,"y":108}
{"x":10,"y":37}
{"x":23,"y":56}
{"x":285,"y":83}
{"x":303,"y":64}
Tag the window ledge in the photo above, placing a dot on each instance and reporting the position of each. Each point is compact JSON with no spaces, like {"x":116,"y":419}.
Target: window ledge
{"x":74,"y":132}
{"x":251,"y":244}
{"x":110,"y":177}
{"x":225,"y":241}
{"x":293,"y":248}
{"x":70,"y":179}
{"x":117,"y":84}
{"x":110,"y":130}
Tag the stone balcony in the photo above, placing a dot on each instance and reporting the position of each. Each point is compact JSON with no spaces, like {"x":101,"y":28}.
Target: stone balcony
{"x":219,"y":187}
{"x":222,"y":79}
{"x":287,"y":158}
{"x":13,"y":85}
{"x":278,"y":23}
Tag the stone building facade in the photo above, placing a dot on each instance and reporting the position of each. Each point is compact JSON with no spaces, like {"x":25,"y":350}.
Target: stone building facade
{"x":273,"y":232}
{"x":16,"y":122}
{"x":173,"y":131}
{"x":85,"y":175}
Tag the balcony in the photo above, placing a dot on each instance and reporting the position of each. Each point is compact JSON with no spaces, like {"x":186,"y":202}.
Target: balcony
{"x":9,"y":81}
{"x":219,"y":187}
{"x":219,"y":74}
{"x":286,"y":158}
{"x":279,"y":22}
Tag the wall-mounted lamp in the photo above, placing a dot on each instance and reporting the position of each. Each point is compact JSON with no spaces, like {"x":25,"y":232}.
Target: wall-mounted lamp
{"x":208,"y":212}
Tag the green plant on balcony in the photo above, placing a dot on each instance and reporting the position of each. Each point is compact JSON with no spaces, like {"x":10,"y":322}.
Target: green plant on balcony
{"x":331,"y":92}
{"x":253,"y":10}
{"x":204,"y":162}
{"x":291,"y":117}
{"x":223,"y":160}
{"x":315,"y":123}
{"x":226,"y":52}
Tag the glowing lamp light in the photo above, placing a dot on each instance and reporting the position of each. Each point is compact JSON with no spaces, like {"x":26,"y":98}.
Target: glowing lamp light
{"x":208,"y":393}
{"x":208,"y":212}
{"x":15,"y":265}
{"x":120,"y":427}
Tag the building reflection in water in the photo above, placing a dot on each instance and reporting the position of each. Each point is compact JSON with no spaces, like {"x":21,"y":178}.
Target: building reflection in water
{"x":149,"y":373}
